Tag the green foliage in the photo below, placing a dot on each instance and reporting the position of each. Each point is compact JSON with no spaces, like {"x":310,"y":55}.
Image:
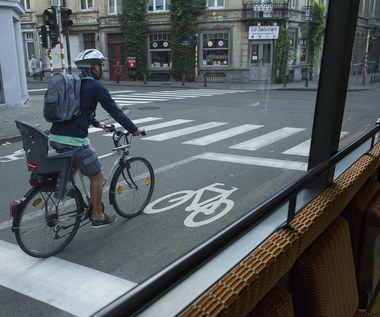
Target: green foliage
{"x":317,"y":31}
{"x":184,"y":24}
{"x":135,"y":29}
{"x":282,"y":54}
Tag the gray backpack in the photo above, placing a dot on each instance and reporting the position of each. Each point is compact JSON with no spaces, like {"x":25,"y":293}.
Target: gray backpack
{"x":62,"y":102}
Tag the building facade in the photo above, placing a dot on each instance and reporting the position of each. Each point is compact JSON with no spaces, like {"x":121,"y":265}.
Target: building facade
{"x":236,"y":38}
{"x":13,"y":87}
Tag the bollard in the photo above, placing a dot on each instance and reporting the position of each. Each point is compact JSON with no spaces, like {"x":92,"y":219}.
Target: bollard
{"x":145,"y":79}
{"x":117,"y":78}
{"x":307,"y":82}
{"x":183,"y":80}
{"x":205,"y":81}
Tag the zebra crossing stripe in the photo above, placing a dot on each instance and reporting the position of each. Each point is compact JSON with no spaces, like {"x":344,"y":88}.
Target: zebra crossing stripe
{"x":185,"y":131}
{"x":71,"y":287}
{"x":303,"y":148}
{"x":166,"y":124}
{"x":266,"y":139}
{"x":139,"y":99}
{"x":121,"y":91}
{"x":222,"y":135}
{"x":250,"y":160}
{"x":117,"y":125}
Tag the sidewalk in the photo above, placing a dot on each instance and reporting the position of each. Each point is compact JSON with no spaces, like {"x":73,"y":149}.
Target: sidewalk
{"x":32,"y":111}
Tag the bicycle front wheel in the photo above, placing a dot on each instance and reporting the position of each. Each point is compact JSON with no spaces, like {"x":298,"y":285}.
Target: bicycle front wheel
{"x":45,"y":225}
{"x":132,"y":187}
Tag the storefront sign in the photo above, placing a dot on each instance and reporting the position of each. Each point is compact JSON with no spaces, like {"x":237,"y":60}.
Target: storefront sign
{"x":263,"y":32}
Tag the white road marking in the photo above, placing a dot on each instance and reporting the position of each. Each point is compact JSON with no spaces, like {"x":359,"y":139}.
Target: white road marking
{"x":266,"y":139}
{"x":117,"y":125}
{"x":250,"y":160}
{"x":182,"y":132}
{"x":303,"y":148}
{"x":166,"y":124}
{"x":222,"y":135}
{"x":121,"y":91}
{"x":73,"y":288}
{"x":33,"y":90}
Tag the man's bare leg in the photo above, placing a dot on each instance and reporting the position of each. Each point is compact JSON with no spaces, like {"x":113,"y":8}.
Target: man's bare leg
{"x":96,"y":192}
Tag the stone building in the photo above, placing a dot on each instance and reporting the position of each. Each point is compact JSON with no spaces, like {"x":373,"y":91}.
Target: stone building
{"x":236,"y":38}
{"x":13,"y":88}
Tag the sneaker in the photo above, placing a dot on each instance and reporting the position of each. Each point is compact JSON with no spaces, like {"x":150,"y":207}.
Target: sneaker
{"x":101,"y":223}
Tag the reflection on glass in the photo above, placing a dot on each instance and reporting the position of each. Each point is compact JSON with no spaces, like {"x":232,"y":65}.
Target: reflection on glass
{"x":362,"y":102}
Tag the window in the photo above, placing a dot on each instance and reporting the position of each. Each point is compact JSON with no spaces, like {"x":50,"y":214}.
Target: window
{"x":215,"y":49}
{"x":88,"y":40}
{"x":158,"y":5}
{"x":160,"y":50}
{"x":86,"y":4}
{"x":215,"y":3}
{"x":26,"y":4}
{"x":114,"y":6}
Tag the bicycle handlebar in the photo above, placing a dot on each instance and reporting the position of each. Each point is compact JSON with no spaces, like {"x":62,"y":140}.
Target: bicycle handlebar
{"x":111,"y":128}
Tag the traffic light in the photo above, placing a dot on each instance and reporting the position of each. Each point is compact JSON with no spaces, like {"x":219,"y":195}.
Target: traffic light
{"x":50,"y":17}
{"x":54,"y":35}
{"x":44,"y":36}
{"x":65,"y":18}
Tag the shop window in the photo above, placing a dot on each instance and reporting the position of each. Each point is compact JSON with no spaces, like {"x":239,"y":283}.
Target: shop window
{"x":114,"y":6}
{"x":158,"y":5}
{"x":160,"y":50}
{"x":215,"y":49}
{"x":86,"y":4}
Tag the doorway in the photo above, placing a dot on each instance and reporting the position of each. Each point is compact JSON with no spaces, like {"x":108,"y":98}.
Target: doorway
{"x":117,"y":61}
{"x":261,"y":60}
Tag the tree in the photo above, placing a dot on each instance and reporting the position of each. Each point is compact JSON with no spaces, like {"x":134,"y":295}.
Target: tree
{"x":184,"y":25}
{"x":135,"y":29}
{"x":282,"y":55}
{"x":317,"y":31}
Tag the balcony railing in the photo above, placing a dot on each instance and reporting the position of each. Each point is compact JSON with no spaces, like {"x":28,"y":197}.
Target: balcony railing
{"x":254,"y":10}
{"x":308,"y":11}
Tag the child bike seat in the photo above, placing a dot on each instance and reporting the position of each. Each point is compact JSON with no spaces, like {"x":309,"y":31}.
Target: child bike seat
{"x":35,"y":143}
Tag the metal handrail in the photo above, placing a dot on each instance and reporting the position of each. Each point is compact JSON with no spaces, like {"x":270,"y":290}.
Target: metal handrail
{"x":147,"y":291}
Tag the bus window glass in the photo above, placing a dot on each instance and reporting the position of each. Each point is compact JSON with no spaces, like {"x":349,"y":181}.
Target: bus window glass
{"x":362,"y":103}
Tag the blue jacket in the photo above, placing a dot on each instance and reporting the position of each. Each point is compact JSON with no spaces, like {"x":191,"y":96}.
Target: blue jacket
{"x":92,"y":92}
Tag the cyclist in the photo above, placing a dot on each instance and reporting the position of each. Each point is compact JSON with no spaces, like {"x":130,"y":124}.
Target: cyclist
{"x":72,"y":135}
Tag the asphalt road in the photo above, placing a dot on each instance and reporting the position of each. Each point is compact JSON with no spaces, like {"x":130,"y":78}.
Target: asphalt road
{"x":235,"y":148}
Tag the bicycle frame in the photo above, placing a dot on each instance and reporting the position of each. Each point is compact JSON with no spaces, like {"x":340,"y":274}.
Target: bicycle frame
{"x":121,"y":151}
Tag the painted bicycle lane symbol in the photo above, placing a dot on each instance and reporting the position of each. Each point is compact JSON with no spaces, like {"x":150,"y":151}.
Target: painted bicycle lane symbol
{"x":202,"y":212}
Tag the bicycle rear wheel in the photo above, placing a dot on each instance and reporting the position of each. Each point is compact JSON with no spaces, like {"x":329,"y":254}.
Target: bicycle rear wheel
{"x":132,"y":187}
{"x":45,"y":225}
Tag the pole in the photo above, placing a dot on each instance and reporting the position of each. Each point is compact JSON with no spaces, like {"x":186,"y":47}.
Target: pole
{"x":61,"y":38}
{"x":68,"y":50}
{"x":51,"y":63}
{"x":196,"y":60}
{"x":366,"y":59}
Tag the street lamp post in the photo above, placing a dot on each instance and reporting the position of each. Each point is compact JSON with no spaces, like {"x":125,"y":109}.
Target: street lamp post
{"x":366,"y":59}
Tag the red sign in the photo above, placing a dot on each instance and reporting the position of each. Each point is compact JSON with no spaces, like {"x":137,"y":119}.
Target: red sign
{"x":132,"y":62}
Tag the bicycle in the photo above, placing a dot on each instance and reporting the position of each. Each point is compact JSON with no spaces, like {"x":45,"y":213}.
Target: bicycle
{"x":44,"y":224}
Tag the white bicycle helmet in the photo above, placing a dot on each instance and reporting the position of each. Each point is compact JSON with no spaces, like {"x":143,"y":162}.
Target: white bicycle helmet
{"x":88,"y":58}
